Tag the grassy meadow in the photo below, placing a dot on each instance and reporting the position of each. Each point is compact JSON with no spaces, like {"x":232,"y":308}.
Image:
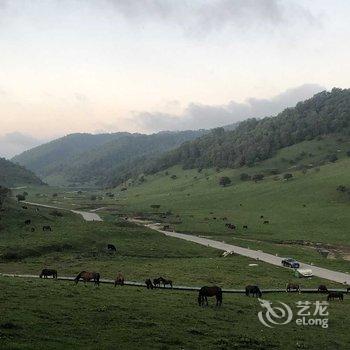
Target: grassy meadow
{"x":46,"y":314}
{"x":302,"y":212}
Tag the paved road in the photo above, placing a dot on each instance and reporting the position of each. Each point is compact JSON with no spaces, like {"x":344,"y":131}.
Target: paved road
{"x":88,"y":216}
{"x":182,"y":288}
{"x":254,"y":254}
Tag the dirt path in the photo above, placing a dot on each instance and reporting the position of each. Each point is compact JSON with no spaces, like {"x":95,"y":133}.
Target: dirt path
{"x":87,"y":216}
{"x":331,"y":275}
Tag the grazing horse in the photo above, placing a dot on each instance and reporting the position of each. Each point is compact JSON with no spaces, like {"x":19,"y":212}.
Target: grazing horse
{"x":88,"y":276}
{"x":27,"y":222}
{"x":149,"y":284}
{"x":119,"y":280}
{"x":47,"y":228}
{"x":322,"y":289}
{"x":290,"y":287}
{"x":255,"y":290}
{"x":111,"y":247}
{"x":335,"y":295}
{"x":266,"y":222}
{"x":165,"y":282}
{"x":48,"y":272}
{"x":245,"y":227}
{"x":156,"y":282}
{"x":24,"y":207}
{"x":230,"y":226}
{"x":205,"y":292}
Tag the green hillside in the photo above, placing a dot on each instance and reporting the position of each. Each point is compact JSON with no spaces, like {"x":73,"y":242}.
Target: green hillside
{"x":256,"y":140}
{"x":310,"y":208}
{"x":49,"y":157}
{"x":15,"y":175}
{"x":101,"y":160}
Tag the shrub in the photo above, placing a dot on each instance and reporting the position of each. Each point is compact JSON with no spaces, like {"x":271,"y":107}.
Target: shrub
{"x":287,"y":176}
{"x":20,"y":197}
{"x":224,"y":181}
{"x":258,"y":177}
{"x":332,"y":158}
{"x":244,"y":177}
{"x":341,"y":188}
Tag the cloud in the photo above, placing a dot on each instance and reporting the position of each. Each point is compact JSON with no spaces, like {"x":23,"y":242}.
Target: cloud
{"x":199,"y":16}
{"x":201,"y":116}
{"x":15,"y":142}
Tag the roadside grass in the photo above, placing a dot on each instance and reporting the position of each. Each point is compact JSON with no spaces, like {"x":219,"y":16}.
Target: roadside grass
{"x":46,"y":314}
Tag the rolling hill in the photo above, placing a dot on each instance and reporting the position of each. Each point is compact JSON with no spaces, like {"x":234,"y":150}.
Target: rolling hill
{"x":256,"y":140}
{"x":90,"y":160}
{"x":12,"y":174}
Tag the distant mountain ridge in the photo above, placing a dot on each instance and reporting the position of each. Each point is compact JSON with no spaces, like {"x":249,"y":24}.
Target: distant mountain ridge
{"x":15,"y":175}
{"x":86,"y":159}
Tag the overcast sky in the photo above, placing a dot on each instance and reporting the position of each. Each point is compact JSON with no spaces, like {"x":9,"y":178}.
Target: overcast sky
{"x":149,"y":65}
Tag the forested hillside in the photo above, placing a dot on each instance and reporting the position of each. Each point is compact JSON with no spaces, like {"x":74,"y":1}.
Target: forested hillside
{"x":47,"y":158}
{"x":256,"y":140}
{"x":14,"y":175}
{"x":85,"y":159}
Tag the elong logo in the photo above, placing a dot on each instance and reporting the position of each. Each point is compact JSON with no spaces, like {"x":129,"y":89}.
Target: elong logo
{"x":282,"y":314}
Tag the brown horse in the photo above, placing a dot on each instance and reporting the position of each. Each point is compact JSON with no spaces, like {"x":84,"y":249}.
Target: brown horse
{"x":290,"y":287}
{"x":205,"y":292}
{"x":88,"y":276}
{"x":119,"y":280}
{"x":48,"y":272}
{"x":165,"y":282}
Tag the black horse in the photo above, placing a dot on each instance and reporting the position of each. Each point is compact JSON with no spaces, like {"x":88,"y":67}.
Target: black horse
{"x":165,"y":282}
{"x":47,"y":228}
{"x":48,"y":272}
{"x":335,"y":295}
{"x":255,"y":290}
{"x":111,"y":248}
{"x":149,"y":284}
{"x":156,"y":282}
{"x":206,"y":292}
{"x":322,"y":289}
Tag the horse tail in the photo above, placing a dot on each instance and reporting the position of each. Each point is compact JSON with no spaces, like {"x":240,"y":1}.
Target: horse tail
{"x":247,"y":291}
{"x":200,"y":298}
{"x":41,"y":274}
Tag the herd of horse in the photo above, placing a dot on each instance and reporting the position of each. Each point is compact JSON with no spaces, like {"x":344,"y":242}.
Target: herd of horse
{"x":204,"y":292}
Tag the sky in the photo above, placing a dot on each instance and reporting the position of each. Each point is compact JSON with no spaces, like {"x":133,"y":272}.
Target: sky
{"x":150,"y":65}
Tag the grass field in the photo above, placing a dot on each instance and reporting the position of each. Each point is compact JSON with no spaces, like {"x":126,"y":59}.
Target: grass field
{"x":39,"y":314}
{"x":76,"y":245}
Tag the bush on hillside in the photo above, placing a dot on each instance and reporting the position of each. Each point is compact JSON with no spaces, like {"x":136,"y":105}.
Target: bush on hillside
{"x":224,"y":181}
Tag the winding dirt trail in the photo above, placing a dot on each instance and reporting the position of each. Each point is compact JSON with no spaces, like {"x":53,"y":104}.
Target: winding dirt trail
{"x":87,"y":216}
